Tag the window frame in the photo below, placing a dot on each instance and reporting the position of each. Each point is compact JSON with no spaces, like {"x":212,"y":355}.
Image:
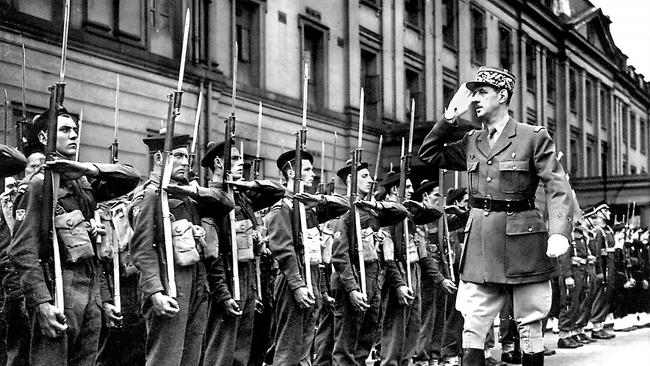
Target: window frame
{"x":321,"y":96}
{"x":478,"y":53}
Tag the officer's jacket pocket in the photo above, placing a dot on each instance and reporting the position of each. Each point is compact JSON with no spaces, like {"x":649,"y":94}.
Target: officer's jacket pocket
{"x":472,"y":172}
{"x":525,"y":225}
{"x":185,"y":253}
{"x":513,"y":175}
{"x":72,"y":230}
{"x":526,"y":236}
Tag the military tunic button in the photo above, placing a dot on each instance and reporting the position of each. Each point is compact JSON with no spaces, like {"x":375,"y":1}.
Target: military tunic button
{"x":489,"y":179}
{"x":486,"y":213}
{"x":530,"y":229}
{"x":489,"y":162}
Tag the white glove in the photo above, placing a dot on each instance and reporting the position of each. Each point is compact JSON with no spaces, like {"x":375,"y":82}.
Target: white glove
{"x":460,"y":103}
{"x":556,"y":245}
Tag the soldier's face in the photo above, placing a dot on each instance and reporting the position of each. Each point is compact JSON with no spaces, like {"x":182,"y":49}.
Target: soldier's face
{"x":487,"y":101}
{"x":34,"y":161}
{"x":364,"y":181}
{"x":236,"y":163}
{"x":180,"y":164}
{"x":67,"y":136}
{"x":409,"y":190}
{"x":308,"y":173}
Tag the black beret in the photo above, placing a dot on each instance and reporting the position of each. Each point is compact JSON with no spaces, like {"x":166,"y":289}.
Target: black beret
{"x":290,"y":155}
{"x":157,"y":143}
{"x":345,"y":171}
{"x":426,"y":186}
{"x":213,"y":150}
{"x":454,"y":195}
{"x":391,"y":179}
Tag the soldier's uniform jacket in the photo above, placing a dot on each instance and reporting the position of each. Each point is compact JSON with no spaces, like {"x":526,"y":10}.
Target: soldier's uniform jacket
{"x":265,"y":194}
{"x":578,"y":254}
{"x":147,"y":244}
{"x":281,"y":242}
{"x":344,"y":257}
{"x":503,"y":247}
{"x":395,"y":270}
{"x":12,"y":161}
{"x":27,"y":250}
{"x":603,"y":245}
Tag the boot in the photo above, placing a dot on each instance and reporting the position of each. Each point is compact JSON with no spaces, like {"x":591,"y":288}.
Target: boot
{"x":473,"y":357}
{"x":535,"y":359}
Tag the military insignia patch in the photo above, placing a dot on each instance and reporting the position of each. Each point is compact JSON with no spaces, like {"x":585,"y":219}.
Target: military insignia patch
{"x":136,"y":211}
{"x":337,"y":235}
{"x":20,"y":214}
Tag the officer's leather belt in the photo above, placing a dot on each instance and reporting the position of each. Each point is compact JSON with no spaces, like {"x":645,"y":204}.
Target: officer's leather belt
{"x":488,"y":204}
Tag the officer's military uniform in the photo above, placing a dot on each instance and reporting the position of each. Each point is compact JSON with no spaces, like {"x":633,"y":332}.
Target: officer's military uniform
{"x":506,"y":237}
{"x":353,"y":330}
{"x":228,"y":338}
{"x":401,"y":323}
{"x":77,"y":201}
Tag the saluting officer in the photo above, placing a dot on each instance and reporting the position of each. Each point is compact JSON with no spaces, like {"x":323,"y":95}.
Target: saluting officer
{"x":508,"y":246}
{"x":295,"y":317}
{"x":71,"y":336}
{"x":175,"y":326}
{"x":229,"y":330}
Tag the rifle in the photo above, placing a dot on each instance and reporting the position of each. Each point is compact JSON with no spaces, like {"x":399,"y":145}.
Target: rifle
{"x":6,"y":113}
{"x":405,"y":170}
{"x":353,"y":191}
{"x":373,"y":184}
{"x":229,"y":135}
{"x":331,"y":185}
{"x":256,"y":172}
{"x":22,"y":123}
{"x":444,"y":240}
{"x":116,"y":250}
{"x":195,"y":135}
{"x":321,"y":186}
{"x":79,"y":126}
{"x":299,"y":218}
{"x":173,"y":111}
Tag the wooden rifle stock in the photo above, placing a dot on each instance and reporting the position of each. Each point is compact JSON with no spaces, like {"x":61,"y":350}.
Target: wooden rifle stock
{"x":299,"y":218}
{"x":356,"y":220}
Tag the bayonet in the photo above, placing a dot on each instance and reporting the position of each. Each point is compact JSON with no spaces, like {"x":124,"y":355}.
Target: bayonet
{"x":353,"y":191}
{"x":116,"y":121}
{"x":195,"y":133}
{"x":79,"y":127}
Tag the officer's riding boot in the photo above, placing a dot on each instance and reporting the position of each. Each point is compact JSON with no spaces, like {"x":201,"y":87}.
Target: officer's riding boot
{"x":534,"y":359}
{"x":473,"y":357}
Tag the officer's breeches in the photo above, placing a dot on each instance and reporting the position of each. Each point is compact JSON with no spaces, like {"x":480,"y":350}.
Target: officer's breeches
{"x":480,"y":305}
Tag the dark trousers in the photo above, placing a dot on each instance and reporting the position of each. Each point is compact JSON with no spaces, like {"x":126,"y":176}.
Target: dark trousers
{"x":17,"y":320}
{"x":401,"y":324}
{"x":228,"y":338}
{"x":262,"y":325}
{"x":177,"y":341}
{"x":429,"y":343}
{"x":294,"y":331}
{"x":570,"y":299}
{"x":324,"y":339}
{"x":79,"y":344}
{"x":584,"y":310}
{"x":125,"y":346}
{"x":354,"y":331}
{"x":602,"y":295}
{"x":452,"y":335}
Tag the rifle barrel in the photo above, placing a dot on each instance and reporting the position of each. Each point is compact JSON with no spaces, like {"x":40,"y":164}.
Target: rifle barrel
{"x":64,"y":44}
{"x":23,"y":87}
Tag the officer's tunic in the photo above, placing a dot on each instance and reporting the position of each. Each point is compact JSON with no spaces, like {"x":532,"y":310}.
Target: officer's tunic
{"x":80,"y":280}
{"x":354,"y":331}
{"x":172,"y":341}
{"x":505,"y":248}
{"x":228,"y":338}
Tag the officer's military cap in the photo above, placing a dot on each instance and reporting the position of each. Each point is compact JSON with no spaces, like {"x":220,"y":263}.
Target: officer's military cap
{"x":425,"y":187}
{"x":602,"y":205}
{"x":588,"y":211}
{"x":345,"y":171}
{"x":454,"y":195}
{"x":157,"y":143}
{"x":495,"y":77}
{"x":213,"y":150}
{"x":290,"y":155}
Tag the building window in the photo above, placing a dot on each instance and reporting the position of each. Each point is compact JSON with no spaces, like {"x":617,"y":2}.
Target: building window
{"x":589,"y":96}
{"x":605,"y":108}
{"x":624,"y":123}
{"x":573,"y":149}
{"x":448,"y":91}
{"x":591,"y":157}
{"x":479,"y":36}
{"x":632,"y":169}
{"x":247,"y":30}
{"x":371,"y":84}
{"x":414,"y":13}
{"x":633,"y":130}
{"x":314,"y":52}
{"x":551,"y":126}
{"x":624,"y":163}
{"x":450,"y":23}
{"x":550,"y":79}
{"x":505,"y":46}
{"x":531,"y":67}
{"x":573,"y":91}
{"x":414,"y":91}
{"x":643,"y":136}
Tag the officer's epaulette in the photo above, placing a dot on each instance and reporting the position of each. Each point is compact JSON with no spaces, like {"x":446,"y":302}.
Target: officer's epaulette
{"x":539,"y":128}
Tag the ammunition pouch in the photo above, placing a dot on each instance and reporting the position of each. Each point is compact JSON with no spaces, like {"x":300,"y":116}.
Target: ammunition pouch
{"x":72,"y":230}
{"x":312,"y":242}
{"x":369,"y":248}
{"x":185,"y":252}
{"x":121,"y":226}
{"x":105,"y":246}
{"x":245,"y":232}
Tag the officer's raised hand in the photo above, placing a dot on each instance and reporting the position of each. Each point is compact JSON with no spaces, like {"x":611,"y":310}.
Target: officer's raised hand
{"x":359,"y":301}
{"x":51,"y":320}
{"x":405,"y":295}
{"x":164,"y":305}
{"x":448,"y":285}
{"x":557,"y":244}
{"x":304,"y":298}
{"x":70,"y":169}
{"x":232,"y":308}
{"x":459,"y":103}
